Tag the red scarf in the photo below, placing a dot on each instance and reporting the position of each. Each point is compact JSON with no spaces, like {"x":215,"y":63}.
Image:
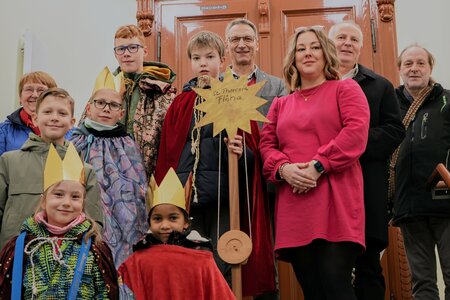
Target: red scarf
{"x":26,"y":119}
{"x":261,"y":261}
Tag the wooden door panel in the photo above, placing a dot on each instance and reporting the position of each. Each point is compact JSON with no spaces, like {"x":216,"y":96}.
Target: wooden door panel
{"x":177,"y":21}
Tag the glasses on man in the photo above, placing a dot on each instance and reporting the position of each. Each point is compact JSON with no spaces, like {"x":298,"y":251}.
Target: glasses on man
{"x":248,"y":39}
{"x":101,"y":104}
{"x":132,"y":48}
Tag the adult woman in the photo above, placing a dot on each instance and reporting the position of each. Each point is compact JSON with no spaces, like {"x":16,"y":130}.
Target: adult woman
{"x":14,"y":131}
{"x":310,"y":150}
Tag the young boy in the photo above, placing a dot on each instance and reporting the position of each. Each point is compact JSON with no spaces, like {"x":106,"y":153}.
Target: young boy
{"x":21,"y":170}
{"x":171,"y":262}
{"x":103,"y":142}
{"x":188,"y":149}
{"x":148,"y":92}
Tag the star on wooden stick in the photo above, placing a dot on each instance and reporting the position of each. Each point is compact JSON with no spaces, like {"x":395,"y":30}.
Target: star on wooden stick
{"x":230,"y":104}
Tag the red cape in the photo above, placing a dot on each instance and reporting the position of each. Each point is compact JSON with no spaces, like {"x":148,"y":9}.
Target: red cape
{"x":173,"y":137}
{"x":174,"y":273}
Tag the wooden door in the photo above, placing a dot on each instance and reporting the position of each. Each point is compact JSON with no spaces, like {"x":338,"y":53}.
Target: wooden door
{"x":177,"y":20}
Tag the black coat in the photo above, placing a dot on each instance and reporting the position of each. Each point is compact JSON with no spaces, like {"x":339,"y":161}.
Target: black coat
{"x":427,"y":143}
{"x":385,"y":134}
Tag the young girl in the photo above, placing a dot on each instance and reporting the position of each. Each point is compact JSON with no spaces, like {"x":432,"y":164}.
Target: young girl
{"x":59,"y":253}
{"x":173,"y":261}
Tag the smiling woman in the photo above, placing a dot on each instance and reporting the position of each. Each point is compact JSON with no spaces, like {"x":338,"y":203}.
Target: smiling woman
{"x":14,"y":131}
{"x":310,"y":149}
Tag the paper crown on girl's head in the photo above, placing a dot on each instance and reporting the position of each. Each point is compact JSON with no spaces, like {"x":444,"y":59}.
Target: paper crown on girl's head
{"x":107,"y":80}
{"x":57,"y":169}
{"x":170,"y":191}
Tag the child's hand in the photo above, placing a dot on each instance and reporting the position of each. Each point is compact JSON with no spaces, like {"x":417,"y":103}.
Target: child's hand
{"x":235,"y":145}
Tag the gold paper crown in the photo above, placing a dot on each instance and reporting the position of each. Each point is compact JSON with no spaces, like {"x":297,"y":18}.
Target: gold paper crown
{"x":170,"y":191}
{"x":107,"y":80}
{"x":70,"y":168}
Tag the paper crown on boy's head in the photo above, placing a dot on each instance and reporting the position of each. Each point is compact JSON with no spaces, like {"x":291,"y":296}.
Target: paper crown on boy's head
{"x":170,"y":191}
{"x":107,"y":80}
{"x":57,"y":169}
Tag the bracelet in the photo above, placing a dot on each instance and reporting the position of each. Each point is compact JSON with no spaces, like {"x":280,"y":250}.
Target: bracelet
{"x":280,"y":170}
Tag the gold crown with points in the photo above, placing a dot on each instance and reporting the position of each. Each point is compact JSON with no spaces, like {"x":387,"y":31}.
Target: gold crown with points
{"x":107,"y":80}
{"x":57,"y":169}
{"x":170,"y":191}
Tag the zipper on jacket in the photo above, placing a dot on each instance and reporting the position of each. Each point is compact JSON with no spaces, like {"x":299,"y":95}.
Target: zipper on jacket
{"x":423,"y":128}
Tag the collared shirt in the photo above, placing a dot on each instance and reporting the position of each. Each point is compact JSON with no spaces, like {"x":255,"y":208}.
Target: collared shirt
{"x":250,"y":77}
{"x":352,"y":73}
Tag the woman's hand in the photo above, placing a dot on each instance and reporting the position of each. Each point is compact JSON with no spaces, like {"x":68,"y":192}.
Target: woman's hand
{"x":311,"y":172}
{"x":235,"y":145}
{"x":297,"y":178}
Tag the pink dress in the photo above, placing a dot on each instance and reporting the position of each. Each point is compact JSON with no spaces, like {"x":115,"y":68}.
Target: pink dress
{"x":331,"y":127}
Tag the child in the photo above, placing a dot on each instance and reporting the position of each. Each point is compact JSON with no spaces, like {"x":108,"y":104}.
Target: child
{"x":186,"y":148}
{"x":148,"y":92}
{"x":171,"y":262}
{"x":21,"y":170}
{"x":59,"y":254}
{"x":116,"y":159}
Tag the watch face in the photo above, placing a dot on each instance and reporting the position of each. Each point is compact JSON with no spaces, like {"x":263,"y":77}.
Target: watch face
{"x":319,"y":167}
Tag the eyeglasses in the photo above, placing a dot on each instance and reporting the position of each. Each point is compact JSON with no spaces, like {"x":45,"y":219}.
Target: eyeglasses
{"x":101,"y":104}
{"x":30,"y":90}
{"x":248,"y":39}
{"x":132,"y":48}
{"x":306,"y":28}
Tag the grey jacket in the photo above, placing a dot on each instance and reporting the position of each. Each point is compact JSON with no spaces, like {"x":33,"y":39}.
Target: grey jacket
{"x":21,"y":184}
{"x":274,"y":87}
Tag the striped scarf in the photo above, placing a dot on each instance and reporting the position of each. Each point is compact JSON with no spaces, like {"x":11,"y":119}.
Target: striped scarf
{"x":409,"y":117}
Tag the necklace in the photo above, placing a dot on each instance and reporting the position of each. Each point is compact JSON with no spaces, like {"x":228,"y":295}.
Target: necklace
{"x":316,"y":88}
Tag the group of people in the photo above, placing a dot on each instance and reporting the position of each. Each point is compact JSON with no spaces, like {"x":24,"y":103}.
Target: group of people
{"x":120,"y":223}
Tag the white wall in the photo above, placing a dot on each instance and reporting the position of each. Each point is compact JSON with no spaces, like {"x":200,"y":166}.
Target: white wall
{"x":73,"y":39}
{"x":425,"y":22}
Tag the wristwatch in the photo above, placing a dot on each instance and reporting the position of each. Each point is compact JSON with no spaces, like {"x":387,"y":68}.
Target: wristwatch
{"x":319,"y":167}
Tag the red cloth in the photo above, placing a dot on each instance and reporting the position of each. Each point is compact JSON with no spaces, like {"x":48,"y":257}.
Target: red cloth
{"x":331,"y":127}
{"x":261,"y":261}
{"x":26,"y":119}
{"x":174,"y":273}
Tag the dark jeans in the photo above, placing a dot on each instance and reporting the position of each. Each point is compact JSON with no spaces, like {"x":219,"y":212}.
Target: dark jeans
{"x":324,"y":269}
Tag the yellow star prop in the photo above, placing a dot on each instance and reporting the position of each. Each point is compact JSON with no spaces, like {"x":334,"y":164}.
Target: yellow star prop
{"x":230,"y":104}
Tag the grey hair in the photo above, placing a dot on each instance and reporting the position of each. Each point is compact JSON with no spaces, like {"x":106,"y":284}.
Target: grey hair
{"x":243,"y":22}
{"x":333,"y":30}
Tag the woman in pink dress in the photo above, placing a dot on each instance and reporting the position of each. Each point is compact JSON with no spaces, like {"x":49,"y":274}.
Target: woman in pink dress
{"x":310,"y":150}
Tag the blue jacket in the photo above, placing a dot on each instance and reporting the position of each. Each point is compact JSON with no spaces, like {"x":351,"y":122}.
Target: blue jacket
{"x":13,"y":132}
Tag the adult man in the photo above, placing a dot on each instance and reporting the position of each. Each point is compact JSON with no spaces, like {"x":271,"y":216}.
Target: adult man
{"x":148,"y":92}
{"x":424,"y":221}
{"x":241,"y":40}
{"x":385,"y":134}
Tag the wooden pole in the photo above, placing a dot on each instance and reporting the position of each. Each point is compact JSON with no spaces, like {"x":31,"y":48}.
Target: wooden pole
{"x":233,"y":185}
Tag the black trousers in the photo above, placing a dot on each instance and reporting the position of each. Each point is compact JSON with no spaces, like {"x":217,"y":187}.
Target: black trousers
{"x":369,"y":280}
{"x":324,"y":269}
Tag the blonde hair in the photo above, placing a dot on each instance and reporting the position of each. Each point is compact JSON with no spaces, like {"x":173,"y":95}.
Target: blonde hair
{"x":290,"y":72}
{"x":204,"y":39}
{"x":94,"y":230}
{"x":129,"y":32}
{"x":58,"y":93}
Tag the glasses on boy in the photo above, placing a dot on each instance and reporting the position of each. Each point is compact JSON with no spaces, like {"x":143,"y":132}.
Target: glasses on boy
{"x":101,"y":104}
{"x":132,"y":48}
